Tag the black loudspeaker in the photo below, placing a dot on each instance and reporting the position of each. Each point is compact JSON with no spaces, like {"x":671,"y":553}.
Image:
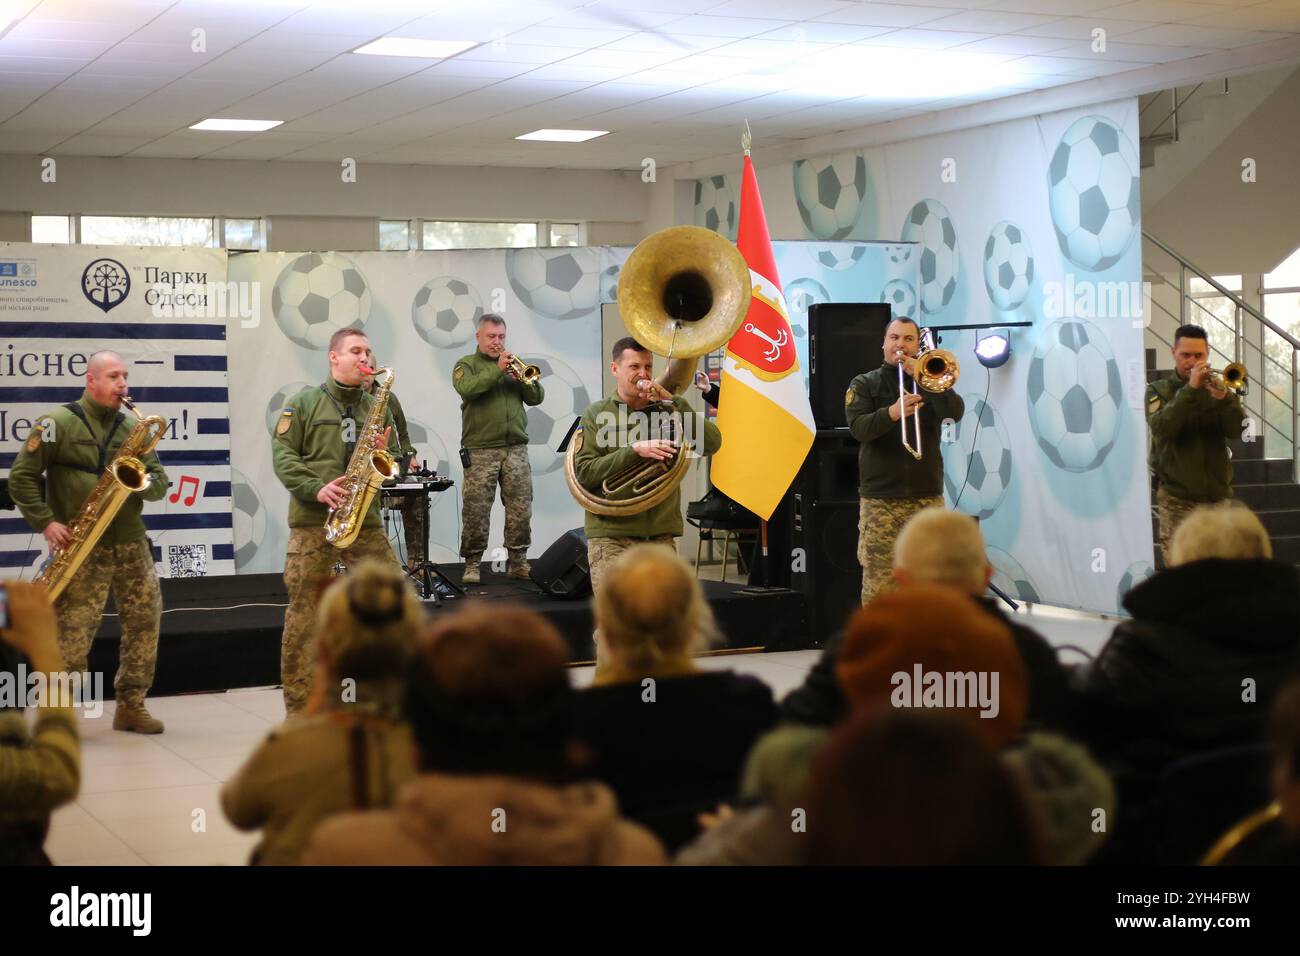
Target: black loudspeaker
{"x":823,"y":532}
{"x":844,"y":340}
{"x":562,"y":572}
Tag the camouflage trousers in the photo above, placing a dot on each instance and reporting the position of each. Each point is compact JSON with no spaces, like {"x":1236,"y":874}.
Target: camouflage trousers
{"x":308,"y":565}
{"x":601,"y":553}
{"x":489,"y":467}
{"x":127,"y":569}
{"x":879,"y":521}
{"x":412,"y":512}
{"x":1171,"y":510}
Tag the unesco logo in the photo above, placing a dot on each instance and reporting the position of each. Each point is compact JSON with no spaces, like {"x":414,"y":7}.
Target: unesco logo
{"x":105,"y":283}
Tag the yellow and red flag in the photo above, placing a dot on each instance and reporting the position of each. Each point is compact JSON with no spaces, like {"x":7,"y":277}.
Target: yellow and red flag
{"x":763,"y":410}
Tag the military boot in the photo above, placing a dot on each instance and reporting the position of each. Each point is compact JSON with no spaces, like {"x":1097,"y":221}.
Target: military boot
{"x":471,"y":573}
{"x":517,"y":566}
{"x":135,"y":717}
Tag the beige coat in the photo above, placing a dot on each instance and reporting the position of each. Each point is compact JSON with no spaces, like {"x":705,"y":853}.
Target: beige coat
{"x":304,"y":772}
{"x":494,"y":821}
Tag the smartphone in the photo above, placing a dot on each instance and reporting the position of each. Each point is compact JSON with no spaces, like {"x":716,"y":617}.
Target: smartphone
{"x":4,"y":606}
{"x":464,"y":457}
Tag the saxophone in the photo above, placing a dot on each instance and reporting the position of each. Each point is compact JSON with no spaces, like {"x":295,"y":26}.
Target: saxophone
{"x":125,"y":474}
{"x":368,"y":467}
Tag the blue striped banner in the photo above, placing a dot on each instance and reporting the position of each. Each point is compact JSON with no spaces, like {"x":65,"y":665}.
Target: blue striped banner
{"x":16,"y":526}
{"x":217,"y":456}
{"x":173,"y":522}
{"x":200,"y":363}
{"x":20,"y":559}
{"x":216,"y":489}
{"x":214,"y":426}
{"x":110,"y":330}
{"x":156,"y":394}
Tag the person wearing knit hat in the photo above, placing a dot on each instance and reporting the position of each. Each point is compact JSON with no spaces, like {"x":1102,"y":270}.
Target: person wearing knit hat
{"x":1066,"y":788}
{"x":350,"y":749}
{"x":931,"y":647}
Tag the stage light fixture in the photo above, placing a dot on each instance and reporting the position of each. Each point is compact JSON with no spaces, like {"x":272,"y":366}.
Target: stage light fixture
{"x":993,"y":350}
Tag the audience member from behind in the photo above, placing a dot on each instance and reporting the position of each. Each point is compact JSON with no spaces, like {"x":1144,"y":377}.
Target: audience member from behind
{"x":39,"y":769}
{"x":668,"y":737}
{"x":491,"y":710}
{"x":1272,"y":836}
{"x":916,"y":789}
{"x":1173,"y":680}
{"x":350,"y":750}
{"x":929,"y":647}
{"x":946,"y":548}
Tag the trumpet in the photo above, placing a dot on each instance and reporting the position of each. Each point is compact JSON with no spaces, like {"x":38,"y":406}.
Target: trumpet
{"x":936,"y":371}
{"x":528,"y":374}
{"x":1233,"y":377}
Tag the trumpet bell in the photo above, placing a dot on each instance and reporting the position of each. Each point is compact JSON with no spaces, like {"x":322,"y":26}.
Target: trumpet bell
{"x":937,"y":370}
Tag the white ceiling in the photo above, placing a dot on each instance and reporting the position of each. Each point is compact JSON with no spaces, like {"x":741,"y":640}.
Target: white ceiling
{"x":672,"y":79}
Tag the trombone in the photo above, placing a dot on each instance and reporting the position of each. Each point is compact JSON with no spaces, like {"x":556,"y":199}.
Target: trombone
{"x":528,"y":374}
{"x":936,"y":371}
{"x":1233,"y":377}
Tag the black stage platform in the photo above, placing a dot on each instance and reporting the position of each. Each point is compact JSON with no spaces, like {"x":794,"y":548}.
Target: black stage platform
{"x":224,"y":632}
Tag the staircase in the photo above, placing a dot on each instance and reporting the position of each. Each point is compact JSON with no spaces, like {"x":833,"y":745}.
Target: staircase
{"x":1267,"y":485}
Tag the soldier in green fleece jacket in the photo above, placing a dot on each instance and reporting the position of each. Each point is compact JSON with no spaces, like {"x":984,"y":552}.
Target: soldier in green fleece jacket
{"x":494,"y":434}
{"x":314,"y":439}
{"x":611,"y":440}
{"x":1190,"y":420}
{"x":71,"y":446}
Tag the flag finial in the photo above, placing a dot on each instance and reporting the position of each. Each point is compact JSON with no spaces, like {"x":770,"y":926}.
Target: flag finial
{"x":746,"y":139}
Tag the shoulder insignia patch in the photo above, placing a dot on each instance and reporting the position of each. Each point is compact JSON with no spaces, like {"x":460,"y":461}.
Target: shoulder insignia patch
{"x":1153,"y":403}
{"x":34,"y":439}
{"x":286,"y":419}
{"x":848,"y":396}
{"x":459,"y":373}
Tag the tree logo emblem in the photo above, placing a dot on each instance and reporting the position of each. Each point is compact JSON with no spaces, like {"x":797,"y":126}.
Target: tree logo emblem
{"x":105,"y":283}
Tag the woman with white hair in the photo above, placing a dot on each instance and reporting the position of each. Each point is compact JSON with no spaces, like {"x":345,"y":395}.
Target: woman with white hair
{"x":1211,"y":641}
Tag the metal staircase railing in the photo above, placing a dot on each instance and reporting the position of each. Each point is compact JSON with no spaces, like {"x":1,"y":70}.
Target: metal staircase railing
{"x":1271,"y":354}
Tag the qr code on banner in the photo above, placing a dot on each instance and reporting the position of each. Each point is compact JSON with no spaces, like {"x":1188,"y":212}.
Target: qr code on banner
{"x":187,"y":560}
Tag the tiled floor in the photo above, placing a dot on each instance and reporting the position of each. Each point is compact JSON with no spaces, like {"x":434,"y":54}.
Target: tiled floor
{"x":154,"y":800}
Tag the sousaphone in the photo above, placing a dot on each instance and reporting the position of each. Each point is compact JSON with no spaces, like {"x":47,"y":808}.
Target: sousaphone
{"x":683,"y":293}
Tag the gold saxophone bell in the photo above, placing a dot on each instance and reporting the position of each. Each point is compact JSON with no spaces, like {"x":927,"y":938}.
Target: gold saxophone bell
{"x":682,"y":293}
{"x":1233,"y":377}
{"x":937,"y":370}
{"x":528,"y":374}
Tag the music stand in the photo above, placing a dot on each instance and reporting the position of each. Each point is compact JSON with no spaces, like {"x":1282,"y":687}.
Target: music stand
{"x":425,"y":575}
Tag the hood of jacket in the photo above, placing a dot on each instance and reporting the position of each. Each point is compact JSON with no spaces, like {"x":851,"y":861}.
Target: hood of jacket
{"x":491,"y":820}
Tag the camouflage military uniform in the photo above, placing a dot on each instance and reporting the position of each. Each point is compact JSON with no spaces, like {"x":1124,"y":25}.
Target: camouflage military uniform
{"x":601,"y":552}
{"x":308,"y":452}
{"x":122,"y":560}
{"x":487,"y":467}
{"x":1189,"y":429}
{"x":494,"y":431}
{"x":893,"y":485}
{"x":308,"y":567}
{"x":879,"y":521}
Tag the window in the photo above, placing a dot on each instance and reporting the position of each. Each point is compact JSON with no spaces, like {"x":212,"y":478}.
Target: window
{"x":478,"y":235}
{"x":245,"y":234}
{"x":147,"y":231}
{"x":566,"y":234}
{"x":394,"y":235}
{"x":51,"y":228}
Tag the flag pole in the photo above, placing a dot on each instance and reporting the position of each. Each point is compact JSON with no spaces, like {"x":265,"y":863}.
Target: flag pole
{"x":747,"y":140}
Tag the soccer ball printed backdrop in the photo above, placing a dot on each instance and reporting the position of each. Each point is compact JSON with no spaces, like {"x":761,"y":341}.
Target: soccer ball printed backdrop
{"x":419,"y":312}
{"x":1004,"y":219}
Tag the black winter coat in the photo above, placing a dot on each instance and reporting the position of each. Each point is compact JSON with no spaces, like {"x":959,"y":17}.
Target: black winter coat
{"x":1170,"y":681}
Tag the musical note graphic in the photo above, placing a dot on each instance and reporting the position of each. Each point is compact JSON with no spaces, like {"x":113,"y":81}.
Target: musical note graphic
{"x":185,"y":480}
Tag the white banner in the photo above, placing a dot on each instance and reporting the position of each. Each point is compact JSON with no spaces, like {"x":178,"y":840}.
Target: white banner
{"x":58,"y":306}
